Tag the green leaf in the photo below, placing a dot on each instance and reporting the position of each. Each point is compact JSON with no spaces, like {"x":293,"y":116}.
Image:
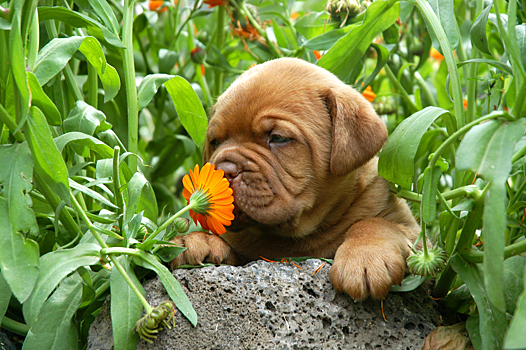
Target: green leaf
{"x":84,"y":140}
{"x":49,"y":164}
{"x":487,"y":148}
{"x":314,"y":24}
{"x":497,"y":64}
{"x":86,"y":119}
{"x":56,"y":54}
{"x":431,"y":179}
{"x":445,"y":12}
{"x":104,"y":11}
{"x":167,"y":254}
{"x":149,"y":86}
{"x":54,"y":267}
{"x":78,"y":20}
{"x":382,"y":56}
{"x":5,"y":296}
{"x":520,"y":32}
{"x":349,"y":50}
{"x":326,"y":40}
{"x":18,"y":68}
{"x":409,"y":283}
{"x":515,"y":336}
{"x":89,"y":192}
{"x":396,"y":163}
{"x":492,"y":323}
{"x":18,"y":256}
{"x":514,"y":269}
{"x":140,"y":198}
{"x":478,"y":30}
{"x":55,"y":328}
{"x":126,"y":307}
{"x":188,"y":107}
{"x":173,"y":288}
{"x":472,"y":326}
{"x":42,"y":101}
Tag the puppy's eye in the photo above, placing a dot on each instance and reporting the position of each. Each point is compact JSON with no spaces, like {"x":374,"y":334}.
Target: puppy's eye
{"x":214,"y":143}
{"x":279,"y":139}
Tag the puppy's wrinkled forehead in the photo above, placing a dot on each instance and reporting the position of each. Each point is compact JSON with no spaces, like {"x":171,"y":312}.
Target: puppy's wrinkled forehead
{"x":279,"y":86}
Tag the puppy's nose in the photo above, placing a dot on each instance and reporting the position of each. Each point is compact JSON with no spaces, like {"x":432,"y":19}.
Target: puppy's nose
{"x":231,"y":170}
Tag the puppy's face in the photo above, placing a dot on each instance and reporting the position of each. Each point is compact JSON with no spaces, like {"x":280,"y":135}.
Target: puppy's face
{"x":287,"y":133}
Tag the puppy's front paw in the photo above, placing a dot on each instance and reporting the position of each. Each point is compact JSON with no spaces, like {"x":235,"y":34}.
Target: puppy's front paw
{"x":363,"y":270}
{"x":202,"y":247}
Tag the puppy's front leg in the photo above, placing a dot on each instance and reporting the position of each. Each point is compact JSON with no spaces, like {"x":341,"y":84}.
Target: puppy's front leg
{"x":202,"y":247}
{"x":372,"y":258}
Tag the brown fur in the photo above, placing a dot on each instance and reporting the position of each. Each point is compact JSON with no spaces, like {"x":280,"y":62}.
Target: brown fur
{"x":318,"y":194}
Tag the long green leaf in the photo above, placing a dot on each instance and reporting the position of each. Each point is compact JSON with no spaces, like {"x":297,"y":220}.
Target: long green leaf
{"x":18,"y":67}
{"x":86,"y":119}
{"x":140,"y":198}
{"x":493,"y":323}
{"x":126,"y":307}
{"x":48,"y":161}
{"x":479,"y":37}
{"x":326,"y":40}
{"x":78,"y":20}
{"x":54,"y":267}
{"x":173,"y":288}
{"x":349,"y":50}
{"x":84,"y":140}
{"x":515,"y":337}
{"x":42,"y":101}
{"x":445,"y":12}
{"x":497,"y":64}
{"x":431,"y":179}
{"x":18,"y":256}
{"x":149,"y":86}
{"x":188,"y":107}
{"x":397,"y":159}
{"x":520,"y":32}
{"x":55,"y":328}
{"x":89,"y":192}
{"x":5,"y":296}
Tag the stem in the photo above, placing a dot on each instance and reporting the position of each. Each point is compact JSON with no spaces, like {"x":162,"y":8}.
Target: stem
{"x":168,"y":222}
{"x":510,"y":42}
{"x":519,"y":100}
{"x":405,"y":96}
{"x":427,"y":12}
{"x":113,"y":259}
{"x":117,"y":185}
{"x":93,"y":86}
{"x":14,"y":326}
{"x":11,"y":124}
{"x":131,"y":87}
{"x":425,"y":89}
{"x":219,"y":42}
{"x":470,"y":191}
{"x":509,"y":251}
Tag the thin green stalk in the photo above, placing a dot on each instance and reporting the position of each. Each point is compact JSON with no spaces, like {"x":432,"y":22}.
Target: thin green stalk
{"x":11,"y":124}
{"x":427,"y":12}
{"x":519,"y":100}
{"x":509,"y":251}
{"x":405,"y":96}
{"x":113,"y":259}
{"x":464,"y":244}
{"x":117,"y":185}
{"x":425,"y":89}
{"x":93,"y":86}
{"x":520,"y":153}
{"x":33,"y":44}
{"x":219,"y":42}
{"x":14,"y":326}
{"x":131,"y":87}
{"x":472,"y":72}
{"x":167,"y":222}
{"x":470,"y":191}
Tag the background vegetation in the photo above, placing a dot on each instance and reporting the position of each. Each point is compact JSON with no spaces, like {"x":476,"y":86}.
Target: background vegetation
{"x":102,"y":110}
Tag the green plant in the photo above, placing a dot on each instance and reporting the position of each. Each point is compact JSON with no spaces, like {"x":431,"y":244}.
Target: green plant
{"x":91,"y":146}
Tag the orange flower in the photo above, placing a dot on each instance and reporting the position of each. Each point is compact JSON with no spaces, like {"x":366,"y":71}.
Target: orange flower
{"x":435,"y":54}
{"x":214,"y":3}
{"x":155,"y":5}
{"x":369,"y":94}
{"x":465,"y":103}
{"x":317,"y":54}
{"x":203,"y":70}
{"x":294,"y":16}
{"x":210,"y":197}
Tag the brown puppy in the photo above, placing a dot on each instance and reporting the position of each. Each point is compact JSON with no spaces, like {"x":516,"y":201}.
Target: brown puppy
{"x":298,"y":147}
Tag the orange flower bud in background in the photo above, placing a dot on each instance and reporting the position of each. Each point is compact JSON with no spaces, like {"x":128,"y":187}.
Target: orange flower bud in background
{"x":155,"y":5}
{"x":317,"y":54}
{"x":369,"y":94}
{"x":435,"y":54}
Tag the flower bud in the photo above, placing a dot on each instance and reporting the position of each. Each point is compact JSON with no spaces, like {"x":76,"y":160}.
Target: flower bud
{"x":343,"y":9}
{"x":430,"y":264}
{"x":198,"y":55}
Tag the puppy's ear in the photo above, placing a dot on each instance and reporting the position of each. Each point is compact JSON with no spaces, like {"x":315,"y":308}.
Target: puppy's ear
{"x":357,"y":131}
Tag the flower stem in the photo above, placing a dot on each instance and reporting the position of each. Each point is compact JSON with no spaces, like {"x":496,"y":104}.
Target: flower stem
{"x":405,"y":96}
{"x":115,"y":262}
{"x":14,"y":326}
{"x":167,"y":222}
{"x":131,"y":87}
{"x":428,"y":13}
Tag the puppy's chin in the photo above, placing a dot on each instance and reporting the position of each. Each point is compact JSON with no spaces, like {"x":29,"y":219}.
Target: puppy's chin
{"x":241,"y":221}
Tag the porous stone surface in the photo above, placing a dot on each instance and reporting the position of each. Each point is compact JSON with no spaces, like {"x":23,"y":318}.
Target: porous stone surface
{"x":266,"y":305}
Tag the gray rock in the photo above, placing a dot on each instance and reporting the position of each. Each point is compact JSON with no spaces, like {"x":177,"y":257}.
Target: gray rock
{"x":279,"y":306}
